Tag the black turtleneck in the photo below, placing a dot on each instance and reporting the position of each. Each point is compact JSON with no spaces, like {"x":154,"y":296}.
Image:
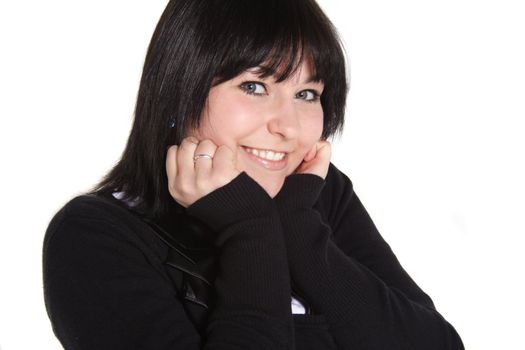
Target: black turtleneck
{"x":220,"y":274}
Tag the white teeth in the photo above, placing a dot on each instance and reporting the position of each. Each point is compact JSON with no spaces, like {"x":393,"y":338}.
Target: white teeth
{"x":269,"y":155}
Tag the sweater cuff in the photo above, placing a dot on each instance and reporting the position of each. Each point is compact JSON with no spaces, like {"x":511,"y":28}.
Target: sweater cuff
{"x":239,"y":200}
{"x":299,"y":191}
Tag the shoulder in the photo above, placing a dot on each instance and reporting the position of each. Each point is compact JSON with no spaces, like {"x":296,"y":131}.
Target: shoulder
{"x":91,"y":223}
{"x":92,"y":207}
{"x":92,"y":210}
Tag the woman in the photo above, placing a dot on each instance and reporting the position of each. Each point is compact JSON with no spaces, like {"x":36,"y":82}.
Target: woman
{"x":224,"y":225}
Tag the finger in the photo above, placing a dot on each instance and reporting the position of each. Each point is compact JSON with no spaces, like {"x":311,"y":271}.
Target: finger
{"x":171,"y":169}
{"x":203,"y":165}
{"x":224,"y":164}
{"x":323,"y":156}
{"x":311,"y":153}
{"x":324,"y":150}
{"x":171,"y":162}
{"x":320,"y":163}
{"x":185,"y":154}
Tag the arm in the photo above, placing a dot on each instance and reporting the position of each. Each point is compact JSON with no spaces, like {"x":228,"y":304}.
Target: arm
{"x":356,"y":235}
{"x":370,"y":303}
{"x":253,"y":285}
{"x":105,"y":291}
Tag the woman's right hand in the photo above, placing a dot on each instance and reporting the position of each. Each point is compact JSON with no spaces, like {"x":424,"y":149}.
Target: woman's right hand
{"x":189,"y":179}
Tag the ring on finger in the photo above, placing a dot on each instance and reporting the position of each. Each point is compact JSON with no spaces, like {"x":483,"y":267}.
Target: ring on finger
{"x":201,"y":155}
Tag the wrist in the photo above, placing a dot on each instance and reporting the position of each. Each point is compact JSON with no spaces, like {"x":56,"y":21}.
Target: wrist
{"x":299,"y":191}
{"x":241,"y":199}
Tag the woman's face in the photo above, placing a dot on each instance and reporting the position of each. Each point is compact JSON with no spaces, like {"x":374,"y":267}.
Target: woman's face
{"x":271,"y":126}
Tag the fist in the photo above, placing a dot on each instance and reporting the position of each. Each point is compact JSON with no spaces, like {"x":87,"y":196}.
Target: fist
{"x":317,"y":160}
{"x":196,"y":168}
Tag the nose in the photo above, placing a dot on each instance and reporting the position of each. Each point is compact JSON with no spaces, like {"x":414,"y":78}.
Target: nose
{"x":284,"y":120}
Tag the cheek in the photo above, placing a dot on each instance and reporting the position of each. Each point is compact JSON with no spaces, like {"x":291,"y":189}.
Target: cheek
{"x":222,"y":119}
{"x":312,"y":128}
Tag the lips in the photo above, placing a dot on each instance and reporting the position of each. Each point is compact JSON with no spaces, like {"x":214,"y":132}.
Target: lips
{"x":266,"y":154}
{"x":269,"y":159}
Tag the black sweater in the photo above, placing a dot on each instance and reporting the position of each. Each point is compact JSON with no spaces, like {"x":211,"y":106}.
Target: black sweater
{"x":114,"y":280}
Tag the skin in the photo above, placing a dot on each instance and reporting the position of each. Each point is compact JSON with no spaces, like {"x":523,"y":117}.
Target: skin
{"x":249,"y":111}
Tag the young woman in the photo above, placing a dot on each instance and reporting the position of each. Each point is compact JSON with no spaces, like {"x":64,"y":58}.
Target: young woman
{"x":224,"y":225}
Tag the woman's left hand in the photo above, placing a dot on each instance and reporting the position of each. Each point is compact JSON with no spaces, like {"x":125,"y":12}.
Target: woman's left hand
{"x":317,"y":160}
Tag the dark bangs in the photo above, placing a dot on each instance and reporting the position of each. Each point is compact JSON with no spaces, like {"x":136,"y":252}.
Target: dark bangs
{"x":279,"y":36}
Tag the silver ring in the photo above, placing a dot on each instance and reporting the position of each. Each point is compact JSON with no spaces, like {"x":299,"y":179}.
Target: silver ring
{"x":201,"y":155}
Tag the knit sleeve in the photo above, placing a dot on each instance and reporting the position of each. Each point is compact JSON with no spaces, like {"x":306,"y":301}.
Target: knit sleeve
{"x":253,"y":289}
{"x":103,"y":291}
{"x":366,"y":296}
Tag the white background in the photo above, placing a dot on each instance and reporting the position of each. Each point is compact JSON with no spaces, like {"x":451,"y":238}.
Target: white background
{"x":433,"y":142}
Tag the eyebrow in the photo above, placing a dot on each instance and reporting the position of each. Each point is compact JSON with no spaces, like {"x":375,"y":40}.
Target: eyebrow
{"x":265,"y":71}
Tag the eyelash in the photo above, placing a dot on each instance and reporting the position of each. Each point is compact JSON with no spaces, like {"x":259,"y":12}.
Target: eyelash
{"x":243,"y":87}
{"x":314,"y":93}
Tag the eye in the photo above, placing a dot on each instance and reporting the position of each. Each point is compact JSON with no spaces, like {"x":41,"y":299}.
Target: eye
{"x":308,"y":95}
{"x":253,"y":88}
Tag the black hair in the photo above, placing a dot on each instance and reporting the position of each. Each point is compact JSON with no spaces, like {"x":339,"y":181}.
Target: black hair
{"x":199,"y":43}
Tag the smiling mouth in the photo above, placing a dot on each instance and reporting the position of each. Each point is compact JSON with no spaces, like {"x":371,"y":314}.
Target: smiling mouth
{"x":269,"y":155}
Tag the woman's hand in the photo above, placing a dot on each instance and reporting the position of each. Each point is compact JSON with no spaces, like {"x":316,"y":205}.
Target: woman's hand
{"x":317,"y":160}
{"x":189,"y":178}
